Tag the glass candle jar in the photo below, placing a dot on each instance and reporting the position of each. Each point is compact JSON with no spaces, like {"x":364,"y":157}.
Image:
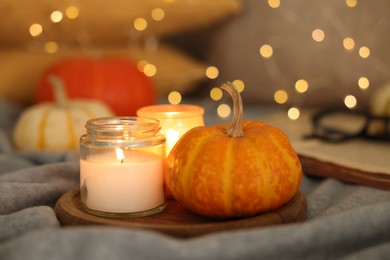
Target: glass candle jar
{"x":175,"y":120}
{"x":121,"y":167}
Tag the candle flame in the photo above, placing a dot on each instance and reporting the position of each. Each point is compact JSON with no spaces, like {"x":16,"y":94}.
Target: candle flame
{"x":120,"y":155}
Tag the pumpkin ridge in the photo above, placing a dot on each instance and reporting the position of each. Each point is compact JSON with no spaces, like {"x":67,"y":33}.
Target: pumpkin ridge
{"x":288,"y":155}
{"x":228,"y":185}
{"x":70,"y":129}
{"x":187,"y":171}
{"x":41,"y":128}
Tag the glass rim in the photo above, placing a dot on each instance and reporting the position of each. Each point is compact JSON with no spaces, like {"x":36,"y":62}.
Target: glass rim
{"x":167,"y":111}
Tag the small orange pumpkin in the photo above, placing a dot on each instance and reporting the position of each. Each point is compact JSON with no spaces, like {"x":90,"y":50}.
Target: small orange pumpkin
{"x":241,"y":170}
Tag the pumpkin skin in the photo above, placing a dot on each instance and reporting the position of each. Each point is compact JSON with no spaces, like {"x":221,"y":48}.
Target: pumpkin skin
{"x":56,"y":126}
{"x":115,"y":81}
{"x":48,"y":126}
{"x":219,"y":176}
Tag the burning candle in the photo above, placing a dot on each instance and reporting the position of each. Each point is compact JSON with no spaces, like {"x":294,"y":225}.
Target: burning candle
{"x":175,"y":120}
{"x":121,"y":167}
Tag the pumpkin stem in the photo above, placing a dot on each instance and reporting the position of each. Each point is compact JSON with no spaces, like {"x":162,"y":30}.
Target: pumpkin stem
{"x":60,"y":95}
{"x":235,"y":128}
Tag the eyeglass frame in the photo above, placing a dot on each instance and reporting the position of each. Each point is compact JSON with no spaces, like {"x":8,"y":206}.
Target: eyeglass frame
{"x":343,"y":136}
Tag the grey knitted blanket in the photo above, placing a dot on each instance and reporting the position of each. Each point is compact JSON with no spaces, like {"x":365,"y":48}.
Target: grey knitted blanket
{"x":344,"y":221}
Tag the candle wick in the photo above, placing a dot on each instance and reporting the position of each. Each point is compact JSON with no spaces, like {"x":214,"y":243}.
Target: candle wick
{"x":122,"y":160}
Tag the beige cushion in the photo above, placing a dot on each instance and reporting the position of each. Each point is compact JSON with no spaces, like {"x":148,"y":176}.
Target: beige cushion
{"x":20,"y":70}
{"x":101,"y":21}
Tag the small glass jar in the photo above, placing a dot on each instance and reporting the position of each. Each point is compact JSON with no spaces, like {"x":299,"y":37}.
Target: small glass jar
{"x":121,"y":167}
{"x":175,"y":120}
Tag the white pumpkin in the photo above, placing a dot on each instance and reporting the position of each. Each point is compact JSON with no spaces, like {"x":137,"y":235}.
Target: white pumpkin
{"x":56,"y":126}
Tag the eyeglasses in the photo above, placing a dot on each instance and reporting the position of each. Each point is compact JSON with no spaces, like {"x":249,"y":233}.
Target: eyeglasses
{"x":342,"y":125}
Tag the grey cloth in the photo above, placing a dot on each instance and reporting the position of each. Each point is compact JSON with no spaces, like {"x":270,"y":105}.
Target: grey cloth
{"x":344,"y":221}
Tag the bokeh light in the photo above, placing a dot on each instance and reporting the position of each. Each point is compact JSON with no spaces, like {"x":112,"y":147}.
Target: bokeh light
{"x":72,"y":12}
{"x":141,"y":65}
{"x":293,"y":113}
{"x":266,"y":51}
{"x":216,"y":94}
{"x":363,"y":83}
{"x":174,"y":97}
{"x":140,"y":24}
{"x":364,"y":52}
{"x":56,"y":16}
{"x":301,"y":86}
{"x":280,"y":96}
{"x":51,"y":47}
{"x":35,"y":29}
{"x":158,"y":14}
{"x":318,"y":35}
{"x":351,"y":3}
{"x":223,"y":110}
{"x":350,"y":101}
{"x":274,"y":3}
{"x":212,"y":72}
{"x":240,"y":85}
{"x":150,"y":70}
{"x":349,"y":43}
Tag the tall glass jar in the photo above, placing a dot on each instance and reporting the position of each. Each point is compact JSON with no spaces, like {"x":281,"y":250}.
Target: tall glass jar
{"x":121,"y":167}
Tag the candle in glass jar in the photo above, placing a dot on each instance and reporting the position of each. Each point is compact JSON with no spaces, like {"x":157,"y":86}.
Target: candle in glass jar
{"x":175,"y":120}
{"x":121,"y":167}
{"x":128,"y":184}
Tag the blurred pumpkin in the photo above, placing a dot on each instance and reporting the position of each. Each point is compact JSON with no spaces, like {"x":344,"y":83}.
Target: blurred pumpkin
{"x":115,"y":81}
{"x":56,"y":125}
{"x":236,"y":171}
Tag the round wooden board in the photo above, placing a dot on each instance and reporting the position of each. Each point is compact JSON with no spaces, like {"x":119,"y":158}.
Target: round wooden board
{"x":177,"y":221}
{"x":315,"y":167}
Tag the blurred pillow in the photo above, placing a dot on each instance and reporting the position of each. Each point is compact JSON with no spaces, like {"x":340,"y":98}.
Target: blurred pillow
{"x":100,"y":21}
{"x":332,"y":60}
{"x":20,"y":70}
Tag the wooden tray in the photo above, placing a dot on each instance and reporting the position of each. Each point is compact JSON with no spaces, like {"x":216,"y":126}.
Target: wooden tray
{"x":177,"y":221}
{"x":316,"y":167}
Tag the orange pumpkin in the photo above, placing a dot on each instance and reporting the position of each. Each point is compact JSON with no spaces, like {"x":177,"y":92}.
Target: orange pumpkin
{"x":115,"y":81}
{"x":241,"y":170}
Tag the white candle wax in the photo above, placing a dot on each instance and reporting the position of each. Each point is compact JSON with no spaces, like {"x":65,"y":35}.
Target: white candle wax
{"x":123,"y":186}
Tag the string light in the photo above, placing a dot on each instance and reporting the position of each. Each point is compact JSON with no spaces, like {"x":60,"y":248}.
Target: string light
{"x":212,"y":72}
{"x":274,"y":3}
{"x":35,"y":29}
{"x":56,"y":16}
{"x":318,"y":35}
{"x":240,"y":85}
{"x":174,"y":97}
{"x":280,"y":96}
{"x":158,"y":14}
{"x":140,"y":24}
{"x":363,"y":83}
{"x":351,"y":3}
{"x":266,"y":51}
{"x":223,"y":110}
{"x":150,"y":70}
{"x":294,"y":113}
{"x":350,"y":101}
{"x":301,"y":86}
{"x":349,"y":43}
{"x":72,"y":12}
{"x":141,"y":65}
{"x":51,"y":47}
{"x":364,"y":52}
{"x":216,"y":94}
